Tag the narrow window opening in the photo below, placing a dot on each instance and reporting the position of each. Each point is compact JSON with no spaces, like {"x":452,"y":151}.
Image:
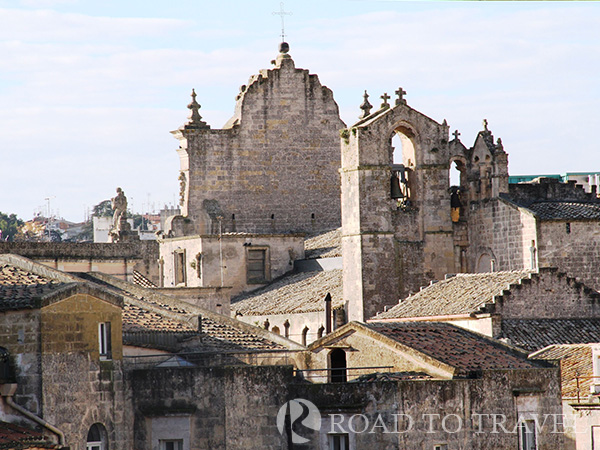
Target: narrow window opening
{"x":276,"y":330}
{"x":179,"y":263}
{"x":171,"y":444}
{"x":305,"y":336}
{"x":568,"y":228}
{"x":338,"y":441}
{"x":527,"y":437}
{"x":337,"y":364}
{"x":320,"y":331}
{"x":104,"y":340}
{"x":257,"y":266}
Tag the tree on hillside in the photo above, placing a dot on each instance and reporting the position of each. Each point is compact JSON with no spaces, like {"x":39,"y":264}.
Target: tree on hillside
{"x":103,"y":209}
{"x":9,"y":226}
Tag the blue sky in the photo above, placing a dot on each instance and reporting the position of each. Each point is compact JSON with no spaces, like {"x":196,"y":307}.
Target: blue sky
{"x":89,"y":90}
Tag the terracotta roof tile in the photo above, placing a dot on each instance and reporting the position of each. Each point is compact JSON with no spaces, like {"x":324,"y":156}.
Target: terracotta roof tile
{"x":168,"y":316}
{"x":460,"y":294}
{"x":293,"y":293}
{"x":20,"y":288}
{"x":575,"y":360}
{"x":459,"y":348}
{"x":534,"y":334}
{"x":17,"y":437}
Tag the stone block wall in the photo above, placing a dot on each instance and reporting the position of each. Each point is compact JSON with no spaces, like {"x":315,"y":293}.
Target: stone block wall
{"x":503,"y":232}
{"x":118,"y":259}
{"x":572,"y":247}
{"x":229,"y":407}
{"x":428,"y":403}
{"x":549,"y":294}
{"x":204,"y":256}
{"x":274,"y":168}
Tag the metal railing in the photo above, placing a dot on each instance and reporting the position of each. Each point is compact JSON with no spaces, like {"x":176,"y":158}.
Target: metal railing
{"x":340,"y":374}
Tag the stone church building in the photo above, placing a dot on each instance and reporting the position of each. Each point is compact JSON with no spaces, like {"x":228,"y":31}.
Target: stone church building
{"x":286,"y":168}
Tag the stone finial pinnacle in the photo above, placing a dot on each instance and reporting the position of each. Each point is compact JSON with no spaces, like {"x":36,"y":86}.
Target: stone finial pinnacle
{"x":485,"y":125}
{"x":195,"y":119}
{"x":365,"y":106}
{"x":194,"y":107}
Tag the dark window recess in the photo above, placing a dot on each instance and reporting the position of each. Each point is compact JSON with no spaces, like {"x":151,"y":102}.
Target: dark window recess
{"x":337,"y":359}
{"x":568,"y":227}
{"x":256,"y":266}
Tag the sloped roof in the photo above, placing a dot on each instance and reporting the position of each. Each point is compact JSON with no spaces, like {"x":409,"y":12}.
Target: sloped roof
{"x":20,"y":289}
{"x":534,"y":334}
{"x":326,"y":244}
{"x":565,"y":210}
{"x":17,"y":437}
{"x":460,"y":294}
{"x":26,"y":284}
{"x":575,"y":360}
{"x":293,"y":293}
{"x":147,"y":311}
{"x":457,"y":347}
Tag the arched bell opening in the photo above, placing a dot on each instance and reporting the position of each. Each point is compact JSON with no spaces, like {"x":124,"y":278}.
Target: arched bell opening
{"x":457,"y":189}
{"x":402,"y":163}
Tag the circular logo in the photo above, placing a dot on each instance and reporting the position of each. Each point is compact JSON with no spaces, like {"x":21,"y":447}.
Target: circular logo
{"x":299,"y":411}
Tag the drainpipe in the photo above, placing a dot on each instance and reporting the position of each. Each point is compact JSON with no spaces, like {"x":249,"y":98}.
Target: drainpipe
{"x":8,"y":394}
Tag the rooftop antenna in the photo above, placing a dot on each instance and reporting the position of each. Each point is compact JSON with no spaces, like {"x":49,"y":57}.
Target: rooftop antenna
{"x":282,"y":13}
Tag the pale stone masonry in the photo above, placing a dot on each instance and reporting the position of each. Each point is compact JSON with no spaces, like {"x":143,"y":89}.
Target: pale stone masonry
{"x":273,"y":167}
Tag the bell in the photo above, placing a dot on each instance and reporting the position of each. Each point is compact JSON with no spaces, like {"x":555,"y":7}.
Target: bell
{"x":395,"y":187}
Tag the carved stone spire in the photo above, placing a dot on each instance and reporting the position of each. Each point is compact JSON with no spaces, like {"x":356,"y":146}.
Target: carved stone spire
{"x":365,"y":106}
{"x":195,"y":119}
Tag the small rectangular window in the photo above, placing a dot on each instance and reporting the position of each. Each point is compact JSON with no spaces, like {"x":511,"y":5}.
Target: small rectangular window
{"x":440,"y":447}
{"x":257,"y":266}
{"x":527,"y":436}
{"x":339,"y":442}
{"x":171,"y":444}
{"x":104,"y":340}
{"x":179,"y":266}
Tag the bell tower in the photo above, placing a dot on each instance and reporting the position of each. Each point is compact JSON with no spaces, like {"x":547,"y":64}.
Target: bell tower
{"x":397,"y":231}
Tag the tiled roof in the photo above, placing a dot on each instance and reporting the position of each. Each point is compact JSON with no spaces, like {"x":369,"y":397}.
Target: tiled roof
{"x":20,"y":288}
{"x":141,"y":280}
{"x":17,"y":437}
{"x":575,"y":360}
{"x":136,"y":319}
{"x":150,"y":312}
{"x":293,"y":293}
{"x":326,"y":244}
{"x":460,"y":294}
{"x":459,"y":348}
{"x":534,"y":334}
{"x":392,"y":376}
{"x":565,"y":210}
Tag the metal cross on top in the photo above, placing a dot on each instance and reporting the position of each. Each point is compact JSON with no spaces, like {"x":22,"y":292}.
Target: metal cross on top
{"x":456,"y":134}
{"x":282,"y":13}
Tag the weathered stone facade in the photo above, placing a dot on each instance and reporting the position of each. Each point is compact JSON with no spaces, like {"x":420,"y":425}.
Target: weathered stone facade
{"x":273,"y":167}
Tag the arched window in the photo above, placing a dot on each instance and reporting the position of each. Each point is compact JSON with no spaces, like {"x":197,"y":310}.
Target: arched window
{"x":304,"y":335}
{"x":337,"y":364}
{"x":97,"y":438}
{"x":276,"y":330}
{"x":402,"y":160}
